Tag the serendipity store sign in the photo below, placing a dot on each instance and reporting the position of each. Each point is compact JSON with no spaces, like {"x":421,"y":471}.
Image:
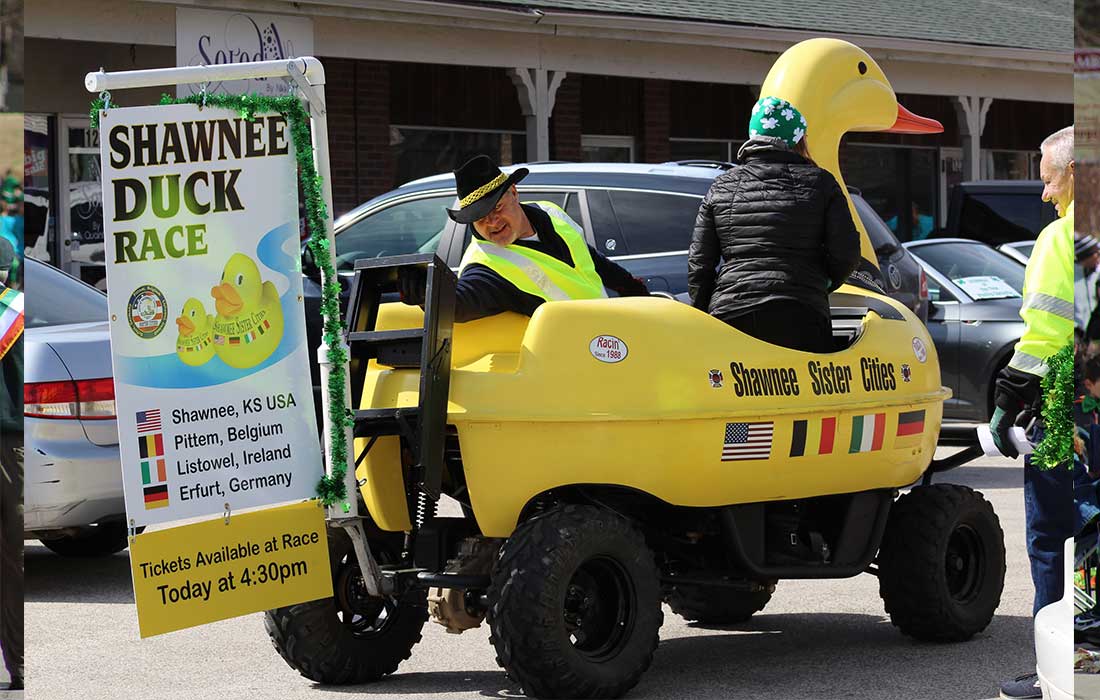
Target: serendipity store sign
{"x":212,"y":37}
{"x":212,"y":380}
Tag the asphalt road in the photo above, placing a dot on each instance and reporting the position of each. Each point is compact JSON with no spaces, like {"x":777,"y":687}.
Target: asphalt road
{"x":816,"y":639}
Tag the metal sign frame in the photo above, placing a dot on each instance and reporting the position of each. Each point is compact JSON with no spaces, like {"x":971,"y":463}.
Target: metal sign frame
{"x":308,"y":75}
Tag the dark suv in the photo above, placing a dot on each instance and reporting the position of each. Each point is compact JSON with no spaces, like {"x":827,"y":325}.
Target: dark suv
{"x":639,"y":215}
{"x":997,"y":211}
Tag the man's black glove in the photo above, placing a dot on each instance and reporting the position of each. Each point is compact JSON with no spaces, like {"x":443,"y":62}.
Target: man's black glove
{"x":1017,"y":393}
{"x":999,"y":426}
{"x":412,"y":283}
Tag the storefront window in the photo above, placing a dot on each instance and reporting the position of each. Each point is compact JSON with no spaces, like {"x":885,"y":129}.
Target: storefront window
{"x":899,"y":183}
{"x":39,"y":225}
{"x":420,"y":151}
{"x":84,"y":205}
{"x":1006,"y":165}
{"x":607,"y":149}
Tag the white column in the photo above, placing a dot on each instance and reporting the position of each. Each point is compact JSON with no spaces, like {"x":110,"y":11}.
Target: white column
{"x":971,"y":111}
{"x":537,"y":88}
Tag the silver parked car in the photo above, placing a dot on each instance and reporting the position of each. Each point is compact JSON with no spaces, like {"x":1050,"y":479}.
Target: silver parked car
{"x":974,"y":293}
{"x":73,"y":499}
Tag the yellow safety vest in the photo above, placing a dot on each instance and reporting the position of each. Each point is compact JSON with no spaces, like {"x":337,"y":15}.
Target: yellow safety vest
{"x":1047,"y":309}
{"x":537,"y":273}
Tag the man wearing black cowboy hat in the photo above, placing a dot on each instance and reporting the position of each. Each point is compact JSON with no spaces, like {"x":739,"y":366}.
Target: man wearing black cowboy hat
{"x":521,"y":254}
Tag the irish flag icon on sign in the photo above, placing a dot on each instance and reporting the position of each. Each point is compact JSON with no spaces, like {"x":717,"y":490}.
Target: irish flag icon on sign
{"x":867,"y":433}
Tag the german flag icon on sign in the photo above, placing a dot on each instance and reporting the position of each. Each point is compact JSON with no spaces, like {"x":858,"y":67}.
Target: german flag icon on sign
{"x":156,"y":496}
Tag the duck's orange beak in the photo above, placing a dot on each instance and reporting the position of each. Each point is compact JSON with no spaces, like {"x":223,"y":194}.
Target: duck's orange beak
{"x":909,"y":123}
{"x":226,"y":299}
{"x":185,"y":325}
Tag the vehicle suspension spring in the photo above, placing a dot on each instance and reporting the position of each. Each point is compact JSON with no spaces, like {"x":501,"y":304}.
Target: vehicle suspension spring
{"x":425,"y":509}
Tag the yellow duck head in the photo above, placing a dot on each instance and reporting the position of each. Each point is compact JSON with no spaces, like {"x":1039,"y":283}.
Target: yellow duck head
{"x":193,"y":318}
{"x":839,"y":88}
{"x":241,"y":287}
{"x":194,"y":344}
{"x":249,"y":324}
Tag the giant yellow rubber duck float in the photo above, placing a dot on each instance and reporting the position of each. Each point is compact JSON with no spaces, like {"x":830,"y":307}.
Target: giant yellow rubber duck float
{"x":839,"y":88}
{"x":195,"y":342}
{"x":689,"y":410}
{"x":249,"y":324}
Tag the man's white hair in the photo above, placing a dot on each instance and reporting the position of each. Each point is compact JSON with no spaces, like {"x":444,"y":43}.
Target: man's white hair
{"x":1059,"y":146}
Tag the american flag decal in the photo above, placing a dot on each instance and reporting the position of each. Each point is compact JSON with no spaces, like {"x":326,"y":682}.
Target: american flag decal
{"x":747,"y":441}
{"x":148,"y":421}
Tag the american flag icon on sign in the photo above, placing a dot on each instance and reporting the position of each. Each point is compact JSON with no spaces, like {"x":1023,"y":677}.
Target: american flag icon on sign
{"x":148,"y":421}
{"x":747,"y":441}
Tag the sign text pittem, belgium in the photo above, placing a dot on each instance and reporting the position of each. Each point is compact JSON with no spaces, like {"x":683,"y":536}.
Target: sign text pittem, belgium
{"x":212,"y":381}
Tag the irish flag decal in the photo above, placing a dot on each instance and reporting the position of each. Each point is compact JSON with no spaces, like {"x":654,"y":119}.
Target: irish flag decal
{"x":867,"y":433}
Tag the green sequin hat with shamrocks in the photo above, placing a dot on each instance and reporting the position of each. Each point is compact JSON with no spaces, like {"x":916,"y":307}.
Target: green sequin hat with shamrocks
{"x":778,"y":118}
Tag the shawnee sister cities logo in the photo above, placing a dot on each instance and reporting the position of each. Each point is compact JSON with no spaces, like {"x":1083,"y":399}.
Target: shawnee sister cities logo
{"x":154,"y":475}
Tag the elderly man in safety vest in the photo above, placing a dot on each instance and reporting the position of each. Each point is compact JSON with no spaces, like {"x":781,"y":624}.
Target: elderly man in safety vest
{"x":1047,"y":311}
{"x":521,"y":254}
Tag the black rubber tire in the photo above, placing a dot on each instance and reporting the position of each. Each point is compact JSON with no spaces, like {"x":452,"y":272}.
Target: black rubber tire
{"x":99,"y":541}
{"x":717,"y":605}
{"x":537,"y":575}
{"x":942,"y":563}
{"x":315,"y":641}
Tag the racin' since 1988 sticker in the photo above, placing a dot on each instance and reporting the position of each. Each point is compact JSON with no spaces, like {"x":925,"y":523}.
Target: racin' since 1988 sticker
{"x":608,"y":348}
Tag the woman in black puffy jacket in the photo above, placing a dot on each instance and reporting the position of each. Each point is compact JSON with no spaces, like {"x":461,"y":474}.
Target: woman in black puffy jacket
{"x":781,"y":228}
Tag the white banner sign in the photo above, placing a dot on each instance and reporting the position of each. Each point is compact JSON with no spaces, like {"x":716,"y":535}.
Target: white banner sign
{"x":212,"y":381}
{"x":212,"y":37}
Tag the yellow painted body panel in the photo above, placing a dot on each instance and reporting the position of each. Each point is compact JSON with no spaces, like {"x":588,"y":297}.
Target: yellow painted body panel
{"x":535,"y":409}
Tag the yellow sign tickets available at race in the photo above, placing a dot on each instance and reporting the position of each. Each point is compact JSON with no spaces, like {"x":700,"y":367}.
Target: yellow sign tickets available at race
{"x":195,"y":574}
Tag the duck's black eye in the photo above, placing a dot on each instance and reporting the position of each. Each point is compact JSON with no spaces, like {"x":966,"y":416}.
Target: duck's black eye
{"x":862,"y":68}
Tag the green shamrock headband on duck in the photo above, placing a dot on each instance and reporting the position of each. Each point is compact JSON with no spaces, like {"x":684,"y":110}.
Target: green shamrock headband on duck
{"x":778,"y":118}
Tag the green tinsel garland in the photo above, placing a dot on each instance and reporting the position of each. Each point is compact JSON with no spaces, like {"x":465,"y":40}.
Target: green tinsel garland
{"x":1056,"y":447}
{"x":330,"y":489}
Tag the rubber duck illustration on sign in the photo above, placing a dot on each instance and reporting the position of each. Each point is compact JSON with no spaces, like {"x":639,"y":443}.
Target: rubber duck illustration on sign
{"x":838,"y":88}
{"x":195,"y":342}
{"x":249,"y":324}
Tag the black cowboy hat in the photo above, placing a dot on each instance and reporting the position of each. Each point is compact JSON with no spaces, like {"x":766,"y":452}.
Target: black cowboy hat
{"x":480,"y":184}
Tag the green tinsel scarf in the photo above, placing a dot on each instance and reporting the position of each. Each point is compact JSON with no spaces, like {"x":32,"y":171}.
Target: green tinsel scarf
{"x":1056,"y":447}
{"x":330,"y":489}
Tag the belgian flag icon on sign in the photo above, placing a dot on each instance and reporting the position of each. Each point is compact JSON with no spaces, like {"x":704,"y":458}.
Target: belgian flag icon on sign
{"x":151,"y":445}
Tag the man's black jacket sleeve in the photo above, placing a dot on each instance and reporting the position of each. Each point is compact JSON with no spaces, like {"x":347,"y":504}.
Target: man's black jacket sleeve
{"x":481,"y":292}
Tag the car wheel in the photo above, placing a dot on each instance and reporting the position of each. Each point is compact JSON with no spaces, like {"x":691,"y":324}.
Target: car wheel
{"x":350,"y":637}
{"x":717,"y":605}
{"x":942,"y":563}
{"x":575,"y":605}
{"x":98,"y":541}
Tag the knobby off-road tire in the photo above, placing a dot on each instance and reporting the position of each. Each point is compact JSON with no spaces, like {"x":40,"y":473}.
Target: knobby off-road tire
{"x":100,"y":541}
{"x":717,"y":605}
{"x":575,"y":605}
{"x":350,"y":637}
{"x":942,"y":563}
